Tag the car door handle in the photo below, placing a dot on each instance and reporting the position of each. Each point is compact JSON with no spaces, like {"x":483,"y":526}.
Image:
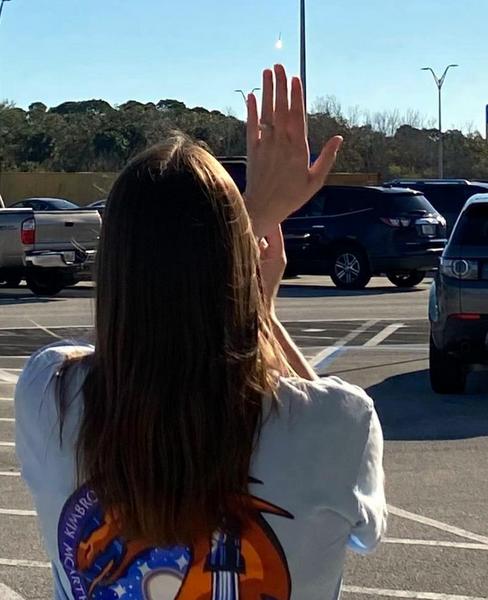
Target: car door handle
{"x":318,"y":226}
{"x":297,"y":236}
{"x":69,"y":224}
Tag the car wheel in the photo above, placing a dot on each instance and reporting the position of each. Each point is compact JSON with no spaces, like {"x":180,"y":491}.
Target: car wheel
{"x":406,"y":280}
{"x":350,"y":269}
{"x":447,"y":375}
{"x":45,"y":284}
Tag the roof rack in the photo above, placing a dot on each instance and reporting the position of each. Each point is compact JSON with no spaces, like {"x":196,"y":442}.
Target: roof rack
{"x":427,"y":181}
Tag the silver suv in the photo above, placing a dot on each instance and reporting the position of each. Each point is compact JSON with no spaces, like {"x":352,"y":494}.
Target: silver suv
{"x":458,"y":305}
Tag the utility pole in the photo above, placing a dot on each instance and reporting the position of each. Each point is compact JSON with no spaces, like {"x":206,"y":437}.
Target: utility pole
{"x":303,"y":52}
{"x":487,"y":122}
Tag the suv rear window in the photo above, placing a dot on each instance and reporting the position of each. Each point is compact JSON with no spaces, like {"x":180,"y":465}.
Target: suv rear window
{"x":472,"y":228}
{"x":406,"y":203}
{"x":448,"y":198}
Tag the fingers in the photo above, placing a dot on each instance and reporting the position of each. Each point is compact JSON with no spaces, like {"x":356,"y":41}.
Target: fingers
{"x":281,"y":105}
{"x":252,"y":129}
{"x":324,"y":163}
{"x":297,"y":122}
{"x":267,"y":109}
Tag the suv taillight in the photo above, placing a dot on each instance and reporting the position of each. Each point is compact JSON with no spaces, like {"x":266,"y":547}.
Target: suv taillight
{"x":396,"y":222}
{"x":459,"y":268}
{"x":28,"y":232}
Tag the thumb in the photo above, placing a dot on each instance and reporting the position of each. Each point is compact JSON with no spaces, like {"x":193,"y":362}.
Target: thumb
{"x":324,"y":163}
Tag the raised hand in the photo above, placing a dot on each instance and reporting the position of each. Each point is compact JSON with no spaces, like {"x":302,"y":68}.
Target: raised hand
{"x":279,"y":177}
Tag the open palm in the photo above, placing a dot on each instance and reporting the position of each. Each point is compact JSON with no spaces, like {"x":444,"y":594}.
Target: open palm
{"x":279,"y":176}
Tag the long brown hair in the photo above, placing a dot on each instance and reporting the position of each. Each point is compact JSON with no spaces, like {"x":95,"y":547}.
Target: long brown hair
{"x":184,"y":352}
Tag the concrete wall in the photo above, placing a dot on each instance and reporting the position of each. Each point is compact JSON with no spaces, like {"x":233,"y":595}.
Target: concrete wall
{"x":84,"y":188}
{"x":81,"y":188}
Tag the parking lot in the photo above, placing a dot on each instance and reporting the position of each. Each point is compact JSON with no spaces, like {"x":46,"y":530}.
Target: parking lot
{"x":436,"y":446}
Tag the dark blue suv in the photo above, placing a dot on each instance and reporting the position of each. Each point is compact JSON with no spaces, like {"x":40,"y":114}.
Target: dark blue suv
{"x":354,"y":232}
{"x":448,"y":196}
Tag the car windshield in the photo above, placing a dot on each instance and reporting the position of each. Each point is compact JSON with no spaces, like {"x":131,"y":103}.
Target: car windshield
{"x":472,"y":228}
{"x":59,"y":204}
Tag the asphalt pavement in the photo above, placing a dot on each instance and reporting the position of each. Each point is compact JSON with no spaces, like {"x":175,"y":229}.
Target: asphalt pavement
{"x":435,"y":446}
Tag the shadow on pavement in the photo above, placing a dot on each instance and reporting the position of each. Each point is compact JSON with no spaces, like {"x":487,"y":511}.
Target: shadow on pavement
{"x":23,"y":295}
{"x":409,"y":410}
{"x":293,"y":290}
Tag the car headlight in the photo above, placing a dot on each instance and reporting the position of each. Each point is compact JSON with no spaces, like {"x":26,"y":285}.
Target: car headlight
{"x":442,"y":220}
{"x":459,"y":268}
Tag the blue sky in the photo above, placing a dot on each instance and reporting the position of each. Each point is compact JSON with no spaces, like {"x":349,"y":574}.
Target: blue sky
{"x":366,"y":53}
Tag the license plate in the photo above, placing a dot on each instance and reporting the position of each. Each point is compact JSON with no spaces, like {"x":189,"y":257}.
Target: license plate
{"x":428,"y":230}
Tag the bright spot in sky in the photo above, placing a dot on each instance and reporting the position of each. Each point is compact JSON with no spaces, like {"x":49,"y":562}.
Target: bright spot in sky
{"x":279,"y":44}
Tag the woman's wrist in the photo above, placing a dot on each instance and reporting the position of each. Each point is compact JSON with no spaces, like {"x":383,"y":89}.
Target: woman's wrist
{"x":275,"y":321}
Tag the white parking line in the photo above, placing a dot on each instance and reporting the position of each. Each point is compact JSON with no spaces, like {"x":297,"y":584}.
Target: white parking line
{"x":300,"y":336}
{"x":6,"y":399}
{"x":325,"y":356}
{"x":6,"y":420}
{"x":439,"y":543}
{"x":336,"y":320}
{"x":12,"y":562}
{"x":383,"y":334}
{"x":404,"y":514}
{"x":7,"y":444}
{"x":7,"y":377}
{"x":395,"y":347}
{"x":7,"y":593}
{"x":46,"y":330}
{"x":14,"y":512}
{"x":352,"y":589}
{"x":9,"y":473}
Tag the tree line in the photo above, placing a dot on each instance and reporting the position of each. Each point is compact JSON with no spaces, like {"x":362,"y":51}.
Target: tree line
{"x":92,"y":135}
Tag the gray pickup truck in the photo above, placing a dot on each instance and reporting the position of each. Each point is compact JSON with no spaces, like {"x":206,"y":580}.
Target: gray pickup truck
{"x":50,"y":249}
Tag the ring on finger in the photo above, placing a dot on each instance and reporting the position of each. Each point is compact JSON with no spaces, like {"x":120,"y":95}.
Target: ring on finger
{"x":266,"y":126}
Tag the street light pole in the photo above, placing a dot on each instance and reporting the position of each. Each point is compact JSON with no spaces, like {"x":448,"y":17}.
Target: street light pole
{"x":303,"y":52}
{"x":2,"y":2}
{"x":439,"y":81}
{"x":244,"y":97}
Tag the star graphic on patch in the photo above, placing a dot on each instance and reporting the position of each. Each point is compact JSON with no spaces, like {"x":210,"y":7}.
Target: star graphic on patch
{"x":182,"y":562}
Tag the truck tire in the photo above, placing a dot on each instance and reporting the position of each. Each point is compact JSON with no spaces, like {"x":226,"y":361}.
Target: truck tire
{"x":447,"y":375}
{"x":406,"y":280}
{"x":350,"y":268}
{"x":45,"y":284}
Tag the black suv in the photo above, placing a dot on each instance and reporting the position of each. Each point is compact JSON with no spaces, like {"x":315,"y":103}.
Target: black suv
{"x":448,"y":196}
{"x":354,"y":232}
{"x":458,"y":306}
